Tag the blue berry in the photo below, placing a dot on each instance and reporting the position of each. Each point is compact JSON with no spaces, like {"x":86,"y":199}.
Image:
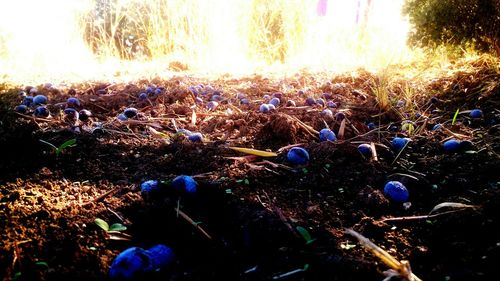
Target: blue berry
{"x":41,"y":111}
{"x":244,"y":101}
{"x":184,"y":131}
{"x":130,"y":112}
{"x":320,"y":102}
{"x":22,"y":94}
{"x":298,"y":155}
{"x":399,"y":143}
{"x":278,"y":95}
{"x":158,"y":91}
{"x":466,"y":145}
{"x":40,"y":99}
{"x":195,"y":137}
{"x":149,"y":90}
{"x":122,"y":117}
{"x":131,"y":264}
{"x":21,"y":108}
{"x":212,"y":105}
{"x":365,"y":149}
{"x":451,"y":145}
{"x":71,"y":113}
{"x":275,"y":102}
{"x":396,"y":191}
{"x":400,"y":103}
{"x":327,"y":135}
{"x":264,"y":108}
{"x":434,"y":100}
{"x":300,"y":93}
{"x":161,"y":256}
{"x":185,"y":184}
{"x":371,"y":126}
{"x":73,"y":102}
{"x":216,"y":98}
{"x":266,"y":97}
{"x":327,"y":113}
{"x":84,"y":114}
{"x":310,"y":101}
{"x":476,"y":113}
{"x":240,"y":96}
{"x":393,"y":128}
{"x":150,"y":186}
{"x":143,"y":96}
{"x":331,"y":104}
{"x":436,"y":127}
{"x":271,"y":106}
{"x":326,"y":96}
{"x":198,"y":100}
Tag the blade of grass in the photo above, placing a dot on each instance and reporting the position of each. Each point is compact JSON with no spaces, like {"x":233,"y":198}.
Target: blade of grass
{"x":455,"y":117}
{"x":254,"y":151}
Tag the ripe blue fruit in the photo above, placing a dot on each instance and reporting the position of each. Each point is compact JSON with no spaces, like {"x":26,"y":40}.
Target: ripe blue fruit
{"x":326,"y":96}
{"x":28,"y":101}
{"x":21,"y":108}
{"x":434,"y":100}
{"x":41,"y":111}
{"x":400,"y":103}
{"x":365,"y":149}
{"x":244,"y":101}
{"x":310,"y":101}
{"x":22,"y":94}
{"x":195,"y":137}
{"x":149,"y":90}
{"x":73,"y":102}
{"x":371,"y":126}
{"x":185,"y":183}
{"x":266,"y":97}
{"x":298,"y":155}
{"x":396,"y":191}
{"x":327,"y":113}
{"x":398,"y":143}
{"x":271,"y":106}
{"x":327,"y":135}
{"x":130,"y":112}
{"x":122,"y":117}
{"x":436,"y":127}
{"x":131,"y":264}
{"x":71,"y":114}
{"x":216,"y":98}
{"x":184,"y":131}
{"x":212,"y":105}
{"x":300,"y":92}
{"x":466,"y":145}
{"x":331,"y":104}
{"x":143,"y":96}
{"x":40,"y":99}
{"x":451,"y":145}
{"x":198,"y":100}
{"x":264,"y":108}
{"x":158,"y":91}
{"x":393,"y":128}
{"x":476,"y":113}
{"x":275,"y":102}
{"x":150,"y":186}
{"x":320,"y":102}
{"x":161,"y":256}
{"x":85,"y":114}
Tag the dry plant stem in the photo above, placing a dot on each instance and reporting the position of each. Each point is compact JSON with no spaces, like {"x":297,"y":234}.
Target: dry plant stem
{"x":389,"y":260}
{"x":188,"y":219}
{"x":417,"y":218}
{"x":374,"y":152}
{"x":102,"y":196}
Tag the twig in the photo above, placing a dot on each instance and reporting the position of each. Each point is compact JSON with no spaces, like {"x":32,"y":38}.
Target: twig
{"x":101,"y":197}
{"x":416,"y":218}
{"x":196,"y":225}
{"x":374,"y":152}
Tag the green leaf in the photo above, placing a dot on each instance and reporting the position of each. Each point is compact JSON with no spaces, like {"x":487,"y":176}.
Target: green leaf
{"x":305,"y":234}
{"x":70,"y":142}
{"x":102,"y":224}
{"x":455,"y":117}
{"x":117,"y":227}
{"x":42,"y":263}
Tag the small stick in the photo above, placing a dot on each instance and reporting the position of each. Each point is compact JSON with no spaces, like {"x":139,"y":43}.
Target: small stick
{"x":196,"y":225}
{"x":101,"y":197}
{"x":416,"y":218}
{"x":374,"y":152}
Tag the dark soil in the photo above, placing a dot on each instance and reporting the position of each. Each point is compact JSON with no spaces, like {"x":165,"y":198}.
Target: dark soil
{"x":250,"y":207}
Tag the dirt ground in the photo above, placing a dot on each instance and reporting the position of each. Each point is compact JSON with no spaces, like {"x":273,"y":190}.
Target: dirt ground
{"x":250,"y":207}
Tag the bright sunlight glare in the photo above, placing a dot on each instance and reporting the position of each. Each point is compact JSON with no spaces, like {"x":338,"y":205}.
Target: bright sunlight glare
{"x":60,"y":40}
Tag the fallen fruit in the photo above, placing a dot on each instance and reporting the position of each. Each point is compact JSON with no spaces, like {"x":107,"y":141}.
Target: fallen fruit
{"x":436,"y":127}
{"x":84,"y":114}
{"x":396,"y":191}
{"x":320,"y":102}
{"x":122,"y":117}
{"x":476,"y":113}
{"x":371,"y":126}
{"x":327,"y":113}
{"x":73,"y":102}
{"x":130,"y":112}
{"x":466,"y":145}
{"x":275,"y":102}
{"x":40,"y":99}
{"x":264,"y":108}
{"x":185,"y":183}
{"x":331,"y":104}
{"x":271,"y":106}
{"x":161,"y":256}
{"x":41,"y":111}
{"x":149,"y":186}
{"x":131,"y":264}
{"x":28,"y":101}
{"x":143,"y":96}
{"x":451,"y":145}
{"x":298,"y":155}
{"x":21,"y":108}
{"x":365,"y":149}
{"x":212,"y":105}
{"x":244,"y":101}
{"x":398,"y":143}
{"x":327,"y":135}
{"x":339,"y":116}
{"x":310,"y":101}
{"x":195,"y":137}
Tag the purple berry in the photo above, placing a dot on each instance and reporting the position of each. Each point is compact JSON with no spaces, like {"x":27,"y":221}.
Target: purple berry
{"x":327,"y":135}
{"x":266,"y":97}
{"x":310,"y":101}
{"x":339,"y":116}
{"x":275,"y":102}
{"x":434,"y":100}
{"x":195,"y":137}
{"x":371,"y":126}
{"x":331,"y":104}
{"x":278,"y":95}
{"x":327,"y":113}
{"x":320,"y":102}
{"x":326,"y":96}
{"x":71,"y":113}
{"x":143,"y":96}
{"x":300,"y":93}
{"x":122,"y":117}
{"x":396,"y":191}
{"x":84,"y":114}
{"x":398,"y":143}
{"x":400,"y":103}
{"x":298,"y":155}
{"x":21,"y":108}
{"x":436,"y":127}
{"x":271,"y":106}
{"x":216,"y":98}
{"x":244,"y":101}
{"x":212,"y":105}
{"x":158,"y":91}
{"x":161,"y":256}
{"x":264,"y":108}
